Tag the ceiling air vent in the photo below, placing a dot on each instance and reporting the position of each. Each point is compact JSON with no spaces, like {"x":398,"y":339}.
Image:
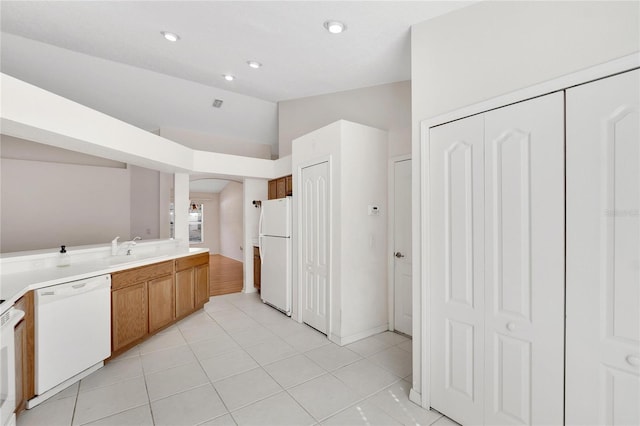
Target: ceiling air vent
{"x":217,"y":103}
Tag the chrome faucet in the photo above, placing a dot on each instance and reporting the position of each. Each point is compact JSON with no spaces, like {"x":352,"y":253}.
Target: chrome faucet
{"x":115,"y":249}
{"x":130,"y":245}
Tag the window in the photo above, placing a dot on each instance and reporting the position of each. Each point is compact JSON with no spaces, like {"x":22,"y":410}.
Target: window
{"x":196,"y":223}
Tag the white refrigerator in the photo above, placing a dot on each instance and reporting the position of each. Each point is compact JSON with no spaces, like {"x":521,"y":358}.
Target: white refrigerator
{"x":275,"y":253}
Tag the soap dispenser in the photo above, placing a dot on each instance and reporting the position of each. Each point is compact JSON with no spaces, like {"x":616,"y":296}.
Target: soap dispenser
{"x":63,"y":258}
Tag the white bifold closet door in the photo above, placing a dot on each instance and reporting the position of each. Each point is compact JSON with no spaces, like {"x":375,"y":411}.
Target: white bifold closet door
{"x":496,"y":261}
{"x":456,"y":265}
{"x":603,"y":252}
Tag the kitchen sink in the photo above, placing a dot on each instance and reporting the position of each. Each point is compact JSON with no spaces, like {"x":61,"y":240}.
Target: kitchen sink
{"x":132,"y":258}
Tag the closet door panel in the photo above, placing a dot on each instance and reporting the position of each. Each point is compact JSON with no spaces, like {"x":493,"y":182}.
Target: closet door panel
{"x":524,"y":261}
{"x":603,"y":251}
{"x":456,"y":269}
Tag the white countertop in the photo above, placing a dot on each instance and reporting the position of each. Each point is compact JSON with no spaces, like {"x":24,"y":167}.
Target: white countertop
{"x":14,"y":285}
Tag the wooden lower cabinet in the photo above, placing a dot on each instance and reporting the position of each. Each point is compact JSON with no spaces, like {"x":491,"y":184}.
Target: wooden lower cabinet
{"x":202,"y":284}
{"x":147,"y":299}
{"x":184,"y":292}
{"x":256,"y":268}
{"x":161,"y":293}
{"x":141,"y":303}
{"x":25,"y":352}
{"x":128,"y":315}
{"x":192,"y":283}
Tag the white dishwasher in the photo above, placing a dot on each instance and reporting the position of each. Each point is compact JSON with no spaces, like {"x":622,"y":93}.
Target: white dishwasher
{"x":72,"y":332}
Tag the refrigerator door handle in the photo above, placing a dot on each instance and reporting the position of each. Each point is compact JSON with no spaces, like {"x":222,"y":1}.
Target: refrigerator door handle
{"x":260,"y":236}
{"x":260,"y":250}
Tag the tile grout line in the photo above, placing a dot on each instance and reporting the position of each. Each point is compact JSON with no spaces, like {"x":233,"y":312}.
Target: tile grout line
{"x":283,"y":389}
{"x":114,"y":413}
{"x":205,"y":372}
{"x":247,"y":311}
{"x":330,"y":372}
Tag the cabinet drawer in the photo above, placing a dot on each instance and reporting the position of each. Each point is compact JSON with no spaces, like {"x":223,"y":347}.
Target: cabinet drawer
{"x":141,"y":274}
{"x":191,"y":261}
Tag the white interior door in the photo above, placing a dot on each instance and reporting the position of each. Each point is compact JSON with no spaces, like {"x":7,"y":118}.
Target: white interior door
{"x":402,"y":301}
{"x":314,"y":241}
{"x":603,"y":252}
{"x":456,"y":269}
{"x":524,"y":262}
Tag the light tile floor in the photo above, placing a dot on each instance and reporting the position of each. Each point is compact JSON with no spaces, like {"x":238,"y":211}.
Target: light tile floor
{"x":241,"y":362}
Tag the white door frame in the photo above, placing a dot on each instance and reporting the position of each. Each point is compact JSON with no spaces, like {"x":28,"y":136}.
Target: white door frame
{"x":420,"y":193}
{"x":297,"y":249}
{"x":392,"y":238}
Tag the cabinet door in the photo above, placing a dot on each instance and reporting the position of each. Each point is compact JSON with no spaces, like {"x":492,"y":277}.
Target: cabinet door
{"x":256,"y":268}
{"x":524,"y":262}
{"x":456,"y":251}
{"x":289,"y":184}
{"x":25,"y":345}
{"x":184,"y":292}
{"x":128,"y":315}
{"x":603,"y":252}
{"x":273,"y":189}
{"x":281,"y":188}
{"x":161,"y":302}
{"x":202,"y":285}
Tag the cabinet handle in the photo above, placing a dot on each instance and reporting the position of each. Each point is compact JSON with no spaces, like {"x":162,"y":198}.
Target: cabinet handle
{"x":511,"y":326}
{"x":633,"y":360}
{"x":399,"y":255}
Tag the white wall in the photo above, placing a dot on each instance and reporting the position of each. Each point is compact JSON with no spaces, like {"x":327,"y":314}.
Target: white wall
{"x":496,"y":47}
{"x":44,"y":205}
{"x":166,"y":196}
{"x":143,"y":192}
{"x":208,"y":142}
{"x":22,"y":149}
{"x":231,"y":221}
{"x":145,"y":203}
{"x":254,"y":189}
{"x":211,"y":210}
{"x":364,"y":238}
{"x":181,"y":215}
{"x":358,"y":269}
{"x":29,"y":112}
{"x":386,"y":107}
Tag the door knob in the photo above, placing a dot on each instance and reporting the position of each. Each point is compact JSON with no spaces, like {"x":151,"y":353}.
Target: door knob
{"x":633,"y":360}
{"x":399,"y":255}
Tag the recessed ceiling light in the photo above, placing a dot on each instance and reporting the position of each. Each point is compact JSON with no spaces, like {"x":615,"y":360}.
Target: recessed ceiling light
{"x":170,"y":36}
{"x":228,"y":77}
{"x":254,"y":64}
{"x":335,"y":27}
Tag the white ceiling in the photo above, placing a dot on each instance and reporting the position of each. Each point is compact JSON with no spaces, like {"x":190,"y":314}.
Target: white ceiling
{"x":207,"y":185}
{"x":111,"y":56}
